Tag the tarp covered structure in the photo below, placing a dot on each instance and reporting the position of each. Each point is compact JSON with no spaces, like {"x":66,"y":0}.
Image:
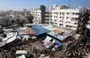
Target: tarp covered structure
{"x":56,"y":35}
{"x":55,"y":43}
{"x":29,"y":31}
{"x":39,"y":29}
{"x":36,"y":30}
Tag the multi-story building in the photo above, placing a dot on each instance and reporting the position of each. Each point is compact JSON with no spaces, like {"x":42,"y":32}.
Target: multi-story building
{"x":41,"y":15}
{"x":37,"y":15}
{"x":64,"y":17}
{"x":60,"y":16}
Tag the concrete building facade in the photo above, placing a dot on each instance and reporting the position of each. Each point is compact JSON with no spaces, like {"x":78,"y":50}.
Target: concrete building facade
{"x":60,"y":16}
{"x":41,"y":16}
{"x":65,"y":17}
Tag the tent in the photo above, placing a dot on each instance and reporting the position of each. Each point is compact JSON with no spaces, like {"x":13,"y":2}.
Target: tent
{"x":21,"y":52}
{"x":48,"y":39}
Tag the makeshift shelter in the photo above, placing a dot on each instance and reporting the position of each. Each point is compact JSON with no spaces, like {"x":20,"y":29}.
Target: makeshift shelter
{"x":8,"y":39}
{"x":39,"y":29}
{"x":21,"y":52}
{"x":36,"y":30}
{"x":52,"y":43}
{"x":56,"y":36}
{"x":29,"y":31}
{"x":60,"y":34}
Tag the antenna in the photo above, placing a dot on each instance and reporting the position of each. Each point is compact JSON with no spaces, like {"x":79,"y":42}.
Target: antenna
{"x":69,"y":4}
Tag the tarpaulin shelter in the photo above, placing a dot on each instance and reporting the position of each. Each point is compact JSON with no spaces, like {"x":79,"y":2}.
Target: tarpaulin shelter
{"x":39,"y":29}
{"x":56,"y":36}
{"x":36,"y":30}
{"x":51,"y":42}
{"x":30,"y":31}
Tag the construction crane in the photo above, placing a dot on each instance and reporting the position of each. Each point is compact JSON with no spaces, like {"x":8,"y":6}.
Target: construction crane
{"x":77,"y":48}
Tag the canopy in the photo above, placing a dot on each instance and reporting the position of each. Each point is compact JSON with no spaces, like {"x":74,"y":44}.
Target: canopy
{"x":39,"y":29}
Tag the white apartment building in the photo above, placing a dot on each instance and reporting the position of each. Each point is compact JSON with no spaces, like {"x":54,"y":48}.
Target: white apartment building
{"x":37,"y":15}
{"x":64,"y":17}
{"x":60,"y":16}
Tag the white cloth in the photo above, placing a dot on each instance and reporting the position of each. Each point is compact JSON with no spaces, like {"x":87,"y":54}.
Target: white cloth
{"x":22,"y":56}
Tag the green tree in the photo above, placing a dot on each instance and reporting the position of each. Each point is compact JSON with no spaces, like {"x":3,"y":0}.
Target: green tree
{"x":30,"y":18}
{"x":20,"y":22}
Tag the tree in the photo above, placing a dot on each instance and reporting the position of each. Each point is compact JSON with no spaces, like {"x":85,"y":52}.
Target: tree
{"x":20,"y":22}
{"x":30,"y":18}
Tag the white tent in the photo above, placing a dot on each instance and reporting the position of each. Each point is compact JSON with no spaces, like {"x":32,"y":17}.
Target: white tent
{"x":22,"y":56}
{"x":21,"y":52}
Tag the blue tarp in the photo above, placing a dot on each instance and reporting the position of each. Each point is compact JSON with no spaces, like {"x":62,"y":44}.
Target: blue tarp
{"x":59,"y":37}
{"x":59,"y":44}
{"x":39,"y":29}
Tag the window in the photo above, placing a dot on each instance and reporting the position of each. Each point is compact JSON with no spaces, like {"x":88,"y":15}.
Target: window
{"x":74,"y":19}
{"x":68,"y":22}
{"x":67,"y":17}
{"x":55,"y":17}
{"x":77,"y":13}
{"x":61,"y":21}
{"x":56,"y":13}
{"x":62,"y":13}
{"x":68,"y":26}
{"x":68,"y":13}
{"x":47,"y":19}
{"x":55,"y":20}
{"x":47,"y":16}
{"x":55,"y":23}
{"x":61,"y":24}
{"x":73,"y":13}
{"x":60,"y":17}
{"x":75,"y":22}
{"x":47,"y":22}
